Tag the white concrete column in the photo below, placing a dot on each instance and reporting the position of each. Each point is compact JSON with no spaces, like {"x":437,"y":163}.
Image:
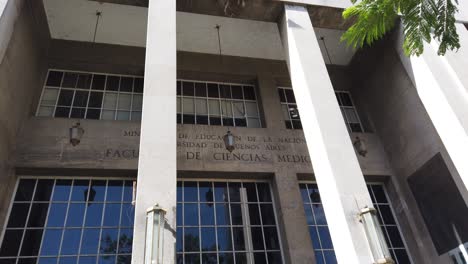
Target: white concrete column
{"x":9,"y":12}
{"x":336,"y":168}
{"x":442,"y":86}
{"x":157,"y":163}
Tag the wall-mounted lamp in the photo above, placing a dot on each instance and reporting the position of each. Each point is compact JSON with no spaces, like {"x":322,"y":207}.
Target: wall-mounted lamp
{"x":360,"y":146}
{"x":76,"y":132}
{"x":229,"y":141}
{"x":375,"y":237}
{"x":154,"y":245}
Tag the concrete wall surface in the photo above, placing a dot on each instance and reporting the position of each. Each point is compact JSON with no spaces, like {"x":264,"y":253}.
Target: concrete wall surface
{"x":22,"y":72}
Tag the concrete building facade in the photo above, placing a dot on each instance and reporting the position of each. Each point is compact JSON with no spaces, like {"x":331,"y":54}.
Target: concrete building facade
{"x":321,"y":132}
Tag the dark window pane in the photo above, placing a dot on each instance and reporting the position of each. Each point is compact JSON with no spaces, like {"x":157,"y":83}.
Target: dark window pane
{"x":179,"y":239}
{"x":206,"y":192}
{"x":84,"y":81}
{"x":288,"y":124}
{"x":62,"y":190}
{"x":215,"y":121}
{"x":234,"y":192}
{"x":224,"y":238}
{"x":78,"y":113}
{"x":38,"y":215}
{"x":189,"y":119}
{"x":236,"y":214}
{"x":179,"y":215}
{"x":192,"y":258}
{"x":128,"y":191}
{"x":50,"y":261}
{"x":275,"y":258}
{"x":379,"y":194}
{"x":225,"y":91}
{"x":138,"y":86}
{"x":345,"y":99}
{"x":125,"y":241}
{"x":18,"y":215}
{"x":319,"y":214}
{"x":51,"y":243}
{"x":226,"y":258}
{"x":87,"y":260}
{"x":71,"y":241}
{"x":107,"y":260}
{"x":179,"y":88}
{"x":33,"y":238}
{"x":402,"y":256}
{"x":259,"y":258}
{"x":191,"y":239}
{"x":395,"y":237}
{"x":62,"y":112}
{"x":112,"y":214}
{"x":94,"y":214}
{"x":108,"y":241}
{"x":207,"y":213}
{"x":98,"y":82}
{"x":325,"y":237}
{"x":70,"y":80}
{"x":200,"y":89}
{"x":126,"y":84}
{"x":26,"y":261}
{"x":271,"y":238}
{"x":304,"y":194}
{"x":75,"y":214}
{"x":220,"y":192}
{"x":95,"y":100}
{"x":89,"y":244}
{"x":211,"y":258}
{"x":190,"y":192}
{"x":112,"y":83}
{"x":124,"y":259}
{"x":387,"y":215}
{"x":355,"y":127}
{"x":268,"y":216}
{"x":290,"y":95}
{"x":43,"y":190}
{"x":251,"y":192}
{"x":314,"y":237}
{"x":314,"y":194}
{"x":213,"y":91}
{"x":237,"y":92}
{"x":11,"y":243}
{"x":208,"y":236}
{"x":65,"y":97}
{"x":319,"y":257}
{"x":188,"y":89}
{"x":258,"y":241}
{"x":81,"y":98}
{"x":25,"y":190}
{"x":254,"y":214}
{"x":282,"y":95}
{"x":179,"y":119}
{"x":54,"y":78}
{"x":222,"y":214}
{"x":190,"y":214}
{"x":309,"y":215}
{"x":296,"y":124}
{"x":93,"y":113}
{"x":57,"y":214}
{"x":114,"y":191}
{"x":128,"y":214}
{"x":241,"y":122}
{"x":249,"y":93}
{"x":202,"y":120}
{"x":238,"y":237}
{"x":80,"y":190}
{"x":263,"y":192}
{"x":331,"y":258}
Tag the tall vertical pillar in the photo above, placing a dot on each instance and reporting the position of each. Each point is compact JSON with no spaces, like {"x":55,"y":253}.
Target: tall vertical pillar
{"x":442,"y":86}
{"x":156,"y":183}
{"x":336,"y":168}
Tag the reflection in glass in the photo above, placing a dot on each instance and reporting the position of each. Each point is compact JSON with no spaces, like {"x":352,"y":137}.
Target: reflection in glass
{"x":108,"y":241}
{"x":191,"y":239}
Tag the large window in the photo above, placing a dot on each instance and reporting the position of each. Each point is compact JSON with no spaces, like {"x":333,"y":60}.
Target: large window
{"x":219,"y":104}
{"x":226,"y":222}
{"x":69,"y":221}
{"x":318,"y":227}
{"x":85,"y":95}
{"x":293,"y":120}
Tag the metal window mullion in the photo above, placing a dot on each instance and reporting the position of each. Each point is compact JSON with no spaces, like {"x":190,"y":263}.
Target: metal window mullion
{"x":102,"y":219}
{"x":199,"y":222}
{"x":215,"y":221}
{"x":84,"y":218}
{"x":104,"y":93}
{"x":65,"y":220}
{"x":230,"y":222}
{"x":72,"y":102}
{"x":315,"y":221}
{"x":120,"y":218}
{"x":89,"y":96}
{"x":261,"y":224}
{"x":131,"y":99}
{"x":246,"y":227}
{"x":117,"y":102}
{"x":183,"y":218}
{"x":47,"y":218}
{"x":276,"y":222}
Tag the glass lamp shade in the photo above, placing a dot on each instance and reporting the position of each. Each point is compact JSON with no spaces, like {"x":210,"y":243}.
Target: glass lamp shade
{"x":229,"y":141}
{"x":76,"y":132}
{"x":375,"y":236}
{"x":154,"y":245}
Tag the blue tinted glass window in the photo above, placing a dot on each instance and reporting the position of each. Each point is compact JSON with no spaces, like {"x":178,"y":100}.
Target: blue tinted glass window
{"x":70,"y":221}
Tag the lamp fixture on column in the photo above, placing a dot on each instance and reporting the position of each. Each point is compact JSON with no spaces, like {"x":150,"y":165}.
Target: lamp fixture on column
{"x":375,"y":237}
{"x":76,"y":132}
{"x":154,"y":242}
{"x":228,"y":138}
{"x":360,"y":146}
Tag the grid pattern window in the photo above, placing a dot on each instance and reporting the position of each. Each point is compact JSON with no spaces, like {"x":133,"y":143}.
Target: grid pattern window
{"x":69,"y":221}
{"x":318,"y":227}
{"x":85,"y":95}
{"x":293,"y":120}
{"x":217,"y":104}
{"x":226,"y":222}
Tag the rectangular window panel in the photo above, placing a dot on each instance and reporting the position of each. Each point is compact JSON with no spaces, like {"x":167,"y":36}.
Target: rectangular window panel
{"x":226,"y":222}
{"x":320,"y":235}
{"x":66,"y":220}
{"x":291,"y":113}
{"x":91,"y":96}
